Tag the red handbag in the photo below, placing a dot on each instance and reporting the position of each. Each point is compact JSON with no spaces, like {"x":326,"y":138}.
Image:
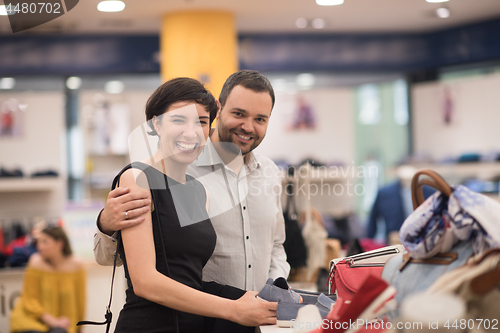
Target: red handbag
{"x":347,"y":275}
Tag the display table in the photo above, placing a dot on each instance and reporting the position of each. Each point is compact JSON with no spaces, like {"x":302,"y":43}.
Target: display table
{"x":305,"y":286}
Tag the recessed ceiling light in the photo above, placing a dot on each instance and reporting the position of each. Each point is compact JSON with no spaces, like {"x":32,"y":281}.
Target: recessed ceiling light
{"x":111,"y":6}
{"x":443,"y":12}
{"x":114,"y":87}
{"x":73,"y":82}
{"x":301,"y":23}
{"x":436,"y":1}
{"x":7,"y":83}
{"x":318,"y":23}
{"x":329,"y":2}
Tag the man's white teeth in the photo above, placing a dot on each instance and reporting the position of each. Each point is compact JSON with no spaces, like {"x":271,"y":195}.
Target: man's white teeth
{"x":184,"y":146}
{"x":243,"y":137}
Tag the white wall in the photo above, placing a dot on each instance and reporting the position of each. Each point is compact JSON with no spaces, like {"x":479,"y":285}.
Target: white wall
{"x":333,"y":139}
{"x":41,"y":146}
{"x":475,"y":126}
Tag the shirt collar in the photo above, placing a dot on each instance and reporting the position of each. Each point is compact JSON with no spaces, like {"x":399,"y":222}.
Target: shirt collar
{"x":252,"y":162}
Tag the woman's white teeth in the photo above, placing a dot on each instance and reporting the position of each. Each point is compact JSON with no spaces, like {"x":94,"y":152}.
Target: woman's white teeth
{"x":243,"y":137}
{"x":184,"y":146}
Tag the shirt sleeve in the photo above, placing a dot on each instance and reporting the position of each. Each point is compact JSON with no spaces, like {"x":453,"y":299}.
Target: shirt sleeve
{"x":279,"y":266}
{"x":105,"y":248}
{"x":32,"y":293}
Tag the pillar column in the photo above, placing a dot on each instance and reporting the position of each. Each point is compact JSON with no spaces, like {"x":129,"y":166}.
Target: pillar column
{"x":201,"y":45}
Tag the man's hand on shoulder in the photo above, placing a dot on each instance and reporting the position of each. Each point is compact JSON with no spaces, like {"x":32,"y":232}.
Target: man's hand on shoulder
{"x":123,"y":209}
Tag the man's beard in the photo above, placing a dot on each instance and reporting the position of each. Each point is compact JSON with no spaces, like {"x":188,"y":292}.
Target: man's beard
{"x":226,"y":136}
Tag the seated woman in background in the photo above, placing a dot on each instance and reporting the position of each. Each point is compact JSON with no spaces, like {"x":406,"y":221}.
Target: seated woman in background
{"x":53,"y":295}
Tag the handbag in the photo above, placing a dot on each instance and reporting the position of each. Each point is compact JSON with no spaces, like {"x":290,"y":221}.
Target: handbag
{"x":448,"y":216}
{"x":348,"y":274}
{"x":410,"y":274}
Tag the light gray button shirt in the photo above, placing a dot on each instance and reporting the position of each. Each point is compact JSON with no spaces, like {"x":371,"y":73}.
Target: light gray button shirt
{"x":247,"y":216}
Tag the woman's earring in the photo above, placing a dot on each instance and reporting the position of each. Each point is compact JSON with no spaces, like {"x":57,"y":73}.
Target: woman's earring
{"x":159,"y":142}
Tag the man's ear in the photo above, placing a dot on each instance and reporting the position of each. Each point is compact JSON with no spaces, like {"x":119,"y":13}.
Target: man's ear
{"x":219,"y":107}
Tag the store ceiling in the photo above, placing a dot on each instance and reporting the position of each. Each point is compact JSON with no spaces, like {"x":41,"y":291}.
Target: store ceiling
{"x":276,"y":16}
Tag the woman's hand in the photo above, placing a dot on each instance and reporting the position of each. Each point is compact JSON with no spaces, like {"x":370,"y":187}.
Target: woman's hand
{"x":52,"y":321}
{"x":123,"y":210}
{"x":252,"y":311}
{"x":63,"y":322}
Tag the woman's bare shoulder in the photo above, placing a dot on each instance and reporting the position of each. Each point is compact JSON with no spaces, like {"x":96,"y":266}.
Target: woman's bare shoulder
{"x":135,"y":180}
{"x":74,"y":263}
{"x":36,"y":261}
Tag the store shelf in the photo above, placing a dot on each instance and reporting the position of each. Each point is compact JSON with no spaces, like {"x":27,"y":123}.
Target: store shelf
{"x":464,"y":170}
{"x":41,"y":184}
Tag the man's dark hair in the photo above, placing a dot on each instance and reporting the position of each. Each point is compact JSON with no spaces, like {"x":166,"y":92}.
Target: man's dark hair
{"x":179,"y":90}
{"x":252,"y":80}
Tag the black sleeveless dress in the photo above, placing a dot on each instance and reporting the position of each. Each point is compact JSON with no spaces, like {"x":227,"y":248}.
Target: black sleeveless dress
{"x":189,"y":241}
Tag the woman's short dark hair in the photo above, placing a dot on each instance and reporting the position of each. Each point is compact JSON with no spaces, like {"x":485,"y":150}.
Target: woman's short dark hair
{"x":58,"y":233}
{"x":178,"y":90}
{"x":252,"y":80}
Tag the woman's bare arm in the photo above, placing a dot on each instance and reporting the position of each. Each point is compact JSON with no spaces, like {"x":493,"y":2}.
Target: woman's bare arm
{"x":150,"y":284}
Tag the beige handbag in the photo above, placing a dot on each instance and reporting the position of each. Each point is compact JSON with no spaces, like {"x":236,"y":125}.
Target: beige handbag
{"x":478,"y":284}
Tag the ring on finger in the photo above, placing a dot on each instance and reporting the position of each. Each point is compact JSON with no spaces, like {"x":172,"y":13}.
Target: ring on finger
{"x":126,"y":215}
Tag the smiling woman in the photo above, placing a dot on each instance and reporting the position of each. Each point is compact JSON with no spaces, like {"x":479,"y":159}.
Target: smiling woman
{"x":182,"y":132}
{"x":164,"y":256}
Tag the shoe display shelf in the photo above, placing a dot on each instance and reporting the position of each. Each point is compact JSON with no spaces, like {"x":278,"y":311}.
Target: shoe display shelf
{"x":39,"y":184}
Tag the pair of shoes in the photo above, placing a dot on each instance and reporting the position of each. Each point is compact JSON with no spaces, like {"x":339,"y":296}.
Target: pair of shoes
{"x":287,"y":314}
{"x":366,"y":305}
{"x":278,"y":291}
{"x":11,"y":173}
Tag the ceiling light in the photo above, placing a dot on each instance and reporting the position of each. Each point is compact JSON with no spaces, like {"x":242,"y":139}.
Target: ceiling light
{"x":114,"y":87}
{"x":73,"y":82}
{"x":305,"y":80}
{"x":7,"y":83}
{"x":111,"y":6}
{"x":436,"y":1}
{"x":443,"y":12}
{"x":301,"y":23}
{"x":318,"y":23}
{"x":329,"y":2}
